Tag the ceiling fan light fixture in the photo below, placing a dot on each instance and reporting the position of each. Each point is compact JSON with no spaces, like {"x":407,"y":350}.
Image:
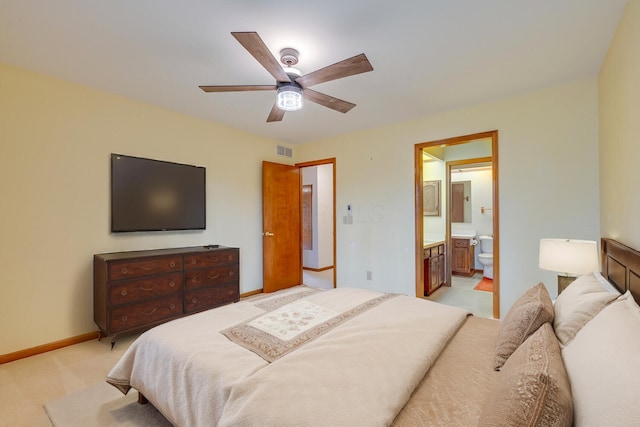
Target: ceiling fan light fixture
{"x":289,"y":98}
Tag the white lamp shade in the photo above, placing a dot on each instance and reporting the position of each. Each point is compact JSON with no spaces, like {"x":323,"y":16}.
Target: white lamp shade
{"x":573,"y":257}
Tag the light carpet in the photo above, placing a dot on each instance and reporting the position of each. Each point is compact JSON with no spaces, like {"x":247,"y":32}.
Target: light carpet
{"x":102,"y":405}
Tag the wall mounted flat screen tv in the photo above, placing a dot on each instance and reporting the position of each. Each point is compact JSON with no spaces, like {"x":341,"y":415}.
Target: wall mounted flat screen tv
{"x":154,"y":195}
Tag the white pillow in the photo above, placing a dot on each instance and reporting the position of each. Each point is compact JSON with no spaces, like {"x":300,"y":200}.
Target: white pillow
{"x":602,"y":364}
{"x":577,"y":304}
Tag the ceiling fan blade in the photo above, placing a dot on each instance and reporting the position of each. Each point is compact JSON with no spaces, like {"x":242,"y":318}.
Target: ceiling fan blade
{"x":349,"y":67}
{"x":327,"y":101}
{"x":275,"y":115}
{"x":242,"y":88}
{"x":256,"y":47}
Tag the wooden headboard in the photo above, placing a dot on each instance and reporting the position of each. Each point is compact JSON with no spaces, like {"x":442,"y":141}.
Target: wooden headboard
{"x":621,"y":266}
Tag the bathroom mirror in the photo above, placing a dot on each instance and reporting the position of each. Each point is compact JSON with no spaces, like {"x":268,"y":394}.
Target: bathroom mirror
{"x":461,"y":201}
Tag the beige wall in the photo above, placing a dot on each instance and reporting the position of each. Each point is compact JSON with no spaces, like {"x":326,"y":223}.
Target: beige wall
{"x":548,"y":180}
{"x":56,"y":138}
{"x":619,"y":104}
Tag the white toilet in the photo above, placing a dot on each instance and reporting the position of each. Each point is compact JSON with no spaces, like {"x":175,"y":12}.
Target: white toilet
{"x":485,"y":257}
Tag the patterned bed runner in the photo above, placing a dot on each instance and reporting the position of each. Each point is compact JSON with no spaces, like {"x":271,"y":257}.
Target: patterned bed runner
{"x":291,"y":325}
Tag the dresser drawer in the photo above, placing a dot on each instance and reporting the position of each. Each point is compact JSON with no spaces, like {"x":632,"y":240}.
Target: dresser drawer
{"x":194,"y":279}
{"x":432,"y":251}
{"x":142,"y":289}
{"x":213,"y":258}
{"x":142,"y":314}
{"x":211,"y":297}
{"x":460,"y":243}
{"x":144,"y":267}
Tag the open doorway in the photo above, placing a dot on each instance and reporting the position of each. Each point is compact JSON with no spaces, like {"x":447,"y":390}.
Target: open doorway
{"x":282,"y":242}
{"x":453,"y":213}
{"x":318,"y":223}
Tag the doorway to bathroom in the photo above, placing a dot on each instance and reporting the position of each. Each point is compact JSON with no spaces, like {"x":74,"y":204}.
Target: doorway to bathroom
{"x":457,"y":226}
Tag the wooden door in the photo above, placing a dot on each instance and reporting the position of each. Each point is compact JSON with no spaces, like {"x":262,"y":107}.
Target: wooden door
{"x":457,"y":202}
{"x":442,"y":278}
{"x":460,"y":256}
{"x":281,"y":251}
{"x":434,"y":276}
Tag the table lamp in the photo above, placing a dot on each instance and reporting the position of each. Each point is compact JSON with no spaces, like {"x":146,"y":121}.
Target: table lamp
{"x":570,"y":257}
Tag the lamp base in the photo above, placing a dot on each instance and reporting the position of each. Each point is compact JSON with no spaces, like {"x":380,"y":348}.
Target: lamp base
{"x":564,"y":281}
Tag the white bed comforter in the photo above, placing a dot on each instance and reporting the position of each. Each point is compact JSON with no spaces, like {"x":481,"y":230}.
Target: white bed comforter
{"x":360,"y":373}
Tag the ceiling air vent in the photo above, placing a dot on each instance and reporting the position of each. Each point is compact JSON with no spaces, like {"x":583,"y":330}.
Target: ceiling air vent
{"x":281,"y":150}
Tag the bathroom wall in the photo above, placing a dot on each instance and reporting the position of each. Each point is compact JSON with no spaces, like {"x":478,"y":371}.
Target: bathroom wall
{"x":434,"y":228}
{"x":481,"y":196}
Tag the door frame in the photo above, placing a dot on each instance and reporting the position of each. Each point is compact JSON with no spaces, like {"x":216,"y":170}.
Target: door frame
{"x":331,"y":161}
{"x":419,"y":219}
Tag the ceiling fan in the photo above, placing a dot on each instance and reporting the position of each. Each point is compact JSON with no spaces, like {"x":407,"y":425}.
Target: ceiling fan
{"x":291,"y":87}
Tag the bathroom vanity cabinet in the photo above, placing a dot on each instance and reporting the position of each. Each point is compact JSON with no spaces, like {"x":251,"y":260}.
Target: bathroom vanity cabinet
{"x":434,"y":267}
{"x":462,"y":257}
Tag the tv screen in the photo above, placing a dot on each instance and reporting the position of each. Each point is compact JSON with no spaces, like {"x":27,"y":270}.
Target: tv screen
{"x":153,"y":195}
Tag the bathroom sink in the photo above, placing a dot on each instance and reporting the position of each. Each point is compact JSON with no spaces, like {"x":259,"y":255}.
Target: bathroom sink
{"x":463,"y":234}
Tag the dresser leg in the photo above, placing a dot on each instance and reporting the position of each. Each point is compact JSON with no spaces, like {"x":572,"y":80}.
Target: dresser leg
{"x":113,"y":342}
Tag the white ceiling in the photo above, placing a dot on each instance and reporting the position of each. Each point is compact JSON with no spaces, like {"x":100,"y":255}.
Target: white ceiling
{"x":428,"y":55}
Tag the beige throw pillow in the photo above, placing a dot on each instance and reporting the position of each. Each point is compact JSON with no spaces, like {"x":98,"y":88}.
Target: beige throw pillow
{"x":526,"y":315}
{"x":577,"y":304}
{"x":532,"y":388}
{"x":603,"y":364}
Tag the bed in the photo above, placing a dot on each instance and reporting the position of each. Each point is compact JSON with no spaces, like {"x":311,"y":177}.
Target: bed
{"x":353,"y":357}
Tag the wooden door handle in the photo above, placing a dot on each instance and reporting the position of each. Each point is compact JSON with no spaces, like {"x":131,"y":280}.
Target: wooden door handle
{"x":268,"y":234}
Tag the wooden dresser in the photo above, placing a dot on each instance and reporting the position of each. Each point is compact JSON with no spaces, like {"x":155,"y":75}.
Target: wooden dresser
{"x":140,"y":289}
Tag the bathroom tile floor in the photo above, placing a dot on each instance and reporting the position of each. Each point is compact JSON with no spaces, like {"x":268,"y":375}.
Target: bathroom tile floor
{"x":463,"y":282}
{"x":461,"y":294}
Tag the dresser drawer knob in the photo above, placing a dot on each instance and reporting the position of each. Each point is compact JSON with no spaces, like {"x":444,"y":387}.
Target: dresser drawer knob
{"x":123,"y":293}
{"x":231,"y":273}
{"x":172,"y":264}
{"x":172,"y":306}
{"x":124,"y":318}
{"x":124,"y":270}
{"x":172,"y":283}
{"x":193,"y":261}
{"x":149,"y":289}
{"x":194,"y":280}
{"x":194,"y":300}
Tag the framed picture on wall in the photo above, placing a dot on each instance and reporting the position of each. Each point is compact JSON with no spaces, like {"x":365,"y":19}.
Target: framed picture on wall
{"x":431,"y":198}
